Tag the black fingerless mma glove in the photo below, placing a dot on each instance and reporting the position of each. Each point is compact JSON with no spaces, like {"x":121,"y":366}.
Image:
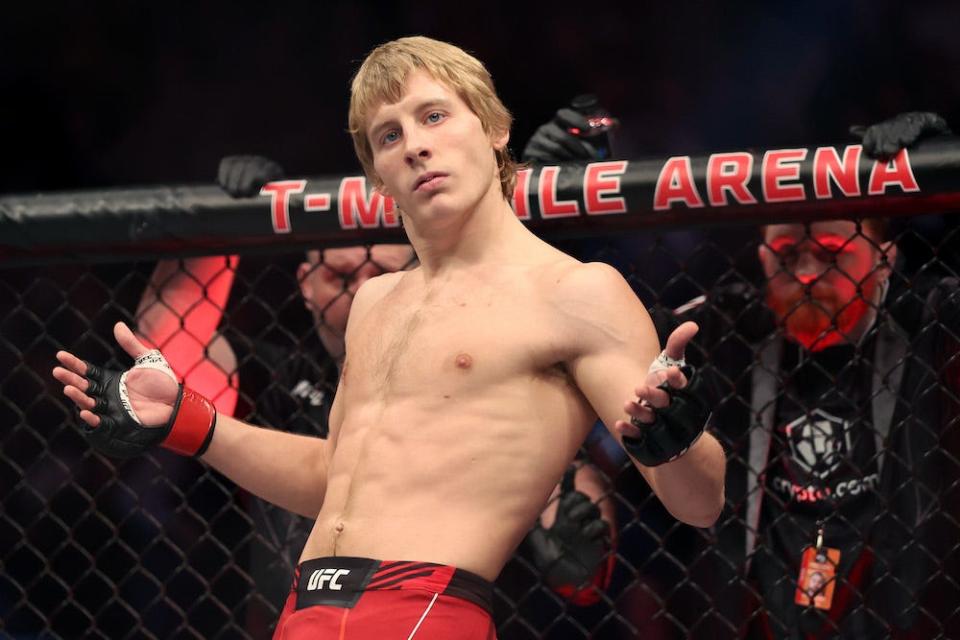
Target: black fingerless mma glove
{"x":555,"y":141}
{"x":572,"y":553}
{"x":188,"y":432}
{"x":885,"y":139}
{"x":676,"y":427}
{"x":243,"y":176}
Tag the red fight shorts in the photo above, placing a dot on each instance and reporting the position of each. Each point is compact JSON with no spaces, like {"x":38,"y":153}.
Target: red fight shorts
{"x":346,"y":598}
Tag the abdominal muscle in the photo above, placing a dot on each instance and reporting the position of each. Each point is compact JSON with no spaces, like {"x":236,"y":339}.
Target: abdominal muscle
{"x":452,"y":480}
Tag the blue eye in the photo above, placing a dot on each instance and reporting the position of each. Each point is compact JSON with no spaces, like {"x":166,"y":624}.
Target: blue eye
{"x":435,"y":117}
{"x":389,"y":136}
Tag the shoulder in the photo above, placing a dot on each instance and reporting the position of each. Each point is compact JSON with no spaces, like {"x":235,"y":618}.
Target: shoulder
{"x":595,"y":283}
{"x":593,"y":304}
{"x":374,"y":290}
{"x":915,"y":301}
{"x":947,"y":291}
{"x":944,"y":301}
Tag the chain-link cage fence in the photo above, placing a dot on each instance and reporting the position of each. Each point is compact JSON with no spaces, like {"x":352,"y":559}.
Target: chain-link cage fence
{"x":856,"y":440}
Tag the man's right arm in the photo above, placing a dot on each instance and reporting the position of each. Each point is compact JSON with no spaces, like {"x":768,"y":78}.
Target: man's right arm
{"x":286,"y":469}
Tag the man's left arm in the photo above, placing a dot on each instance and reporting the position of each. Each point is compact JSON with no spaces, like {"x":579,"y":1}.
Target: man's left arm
{"x":615,"y":344}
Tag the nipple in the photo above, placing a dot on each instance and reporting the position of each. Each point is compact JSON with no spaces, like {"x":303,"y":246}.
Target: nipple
{"x":464,"y":361}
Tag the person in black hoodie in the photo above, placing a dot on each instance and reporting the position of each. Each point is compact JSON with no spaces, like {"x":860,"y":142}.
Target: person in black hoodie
{"x":834,"y":398}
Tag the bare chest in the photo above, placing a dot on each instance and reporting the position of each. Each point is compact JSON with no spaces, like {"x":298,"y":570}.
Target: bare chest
{"x":410,"y":344}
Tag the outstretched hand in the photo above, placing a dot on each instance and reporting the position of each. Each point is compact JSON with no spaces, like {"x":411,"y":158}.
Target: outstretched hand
{"x":152,"y":392}
{"x":650,"y":396}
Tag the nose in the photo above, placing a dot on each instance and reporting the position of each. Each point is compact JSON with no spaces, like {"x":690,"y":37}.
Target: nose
{"x":416,"y":149}
{"x":808,"y":267}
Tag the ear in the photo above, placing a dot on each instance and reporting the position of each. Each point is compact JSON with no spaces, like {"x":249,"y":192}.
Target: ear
{"x":305,"y":282}
{"x":889,"y":249}
{"x":500,"y":139}
{"x":380,"y":188}
{"x":763,"y":251}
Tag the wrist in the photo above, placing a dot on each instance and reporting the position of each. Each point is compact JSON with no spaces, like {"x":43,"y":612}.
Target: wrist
{"x":191,"y":425}
{"x":676,"y":428}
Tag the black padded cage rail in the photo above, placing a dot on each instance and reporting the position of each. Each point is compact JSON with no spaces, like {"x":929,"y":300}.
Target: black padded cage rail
{"x":573,"y":200}
{"x":163,"y":547}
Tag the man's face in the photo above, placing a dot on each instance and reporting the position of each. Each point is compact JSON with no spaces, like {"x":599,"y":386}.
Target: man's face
{"x":431,"y":153}
{"x":328,"y":281}
{"x":822,"y":279}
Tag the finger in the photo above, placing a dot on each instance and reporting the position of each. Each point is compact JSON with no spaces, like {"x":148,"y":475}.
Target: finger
{"x":642,"y":410}
{"x":234,"y":177}
{"x":570,"y":141}
{"x":679,"y":338}
{"x":674,"y":377}
{"x":889,"y":148}
{"x":624,"y":428}
{"x":547,"y":150}
{"x":567,"y":482}
{"x":584,"y":510}
{"x":858,"y":130}
{"x":78,"y":397}
{"x":651,"y":397}
{"x":223,"y":172}
{"x":569,"y":118}
{"x":67,"y":377}
{"x":250,"y":181}
{"x":595,"y":529}
{"x":90,"y":418}
{"x":72,"y":362}
{"x":908,"y":137}
{"x":127,"y":341}
{"x":869,"y":142}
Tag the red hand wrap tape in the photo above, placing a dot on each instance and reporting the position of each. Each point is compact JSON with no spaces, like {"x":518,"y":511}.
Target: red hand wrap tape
{"x":195,"y":420}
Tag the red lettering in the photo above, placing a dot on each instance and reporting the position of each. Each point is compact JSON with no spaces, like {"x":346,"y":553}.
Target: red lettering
{"x":521,"y":194}
{"x":828,"y":167}
{"x":356,"y":208}
{"x":600,"y":182}
{"x":279,"y":193}
{"x":729,"y":172}
{"x":780,"y":165}
{"x":675,"y":184}
{"x":896,"y":172}
{"x":316,"y":202}
{"x":550,"y":207}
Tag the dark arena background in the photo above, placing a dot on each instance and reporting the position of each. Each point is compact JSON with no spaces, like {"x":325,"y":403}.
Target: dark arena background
{"x":113,"y":118}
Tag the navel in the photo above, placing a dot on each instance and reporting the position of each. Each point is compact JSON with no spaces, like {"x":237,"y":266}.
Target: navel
{"x":464,"y":361}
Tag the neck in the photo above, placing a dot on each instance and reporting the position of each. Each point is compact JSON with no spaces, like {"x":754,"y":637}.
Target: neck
{"x":870,"y":317}
{"x":856,"y":334}
{"x":468,"y":238}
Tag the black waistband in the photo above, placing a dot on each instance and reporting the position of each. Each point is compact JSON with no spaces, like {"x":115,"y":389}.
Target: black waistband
{"x":340,"y":581}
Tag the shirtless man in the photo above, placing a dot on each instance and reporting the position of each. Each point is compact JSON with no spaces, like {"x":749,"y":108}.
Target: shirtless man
{"x":469,"y":382}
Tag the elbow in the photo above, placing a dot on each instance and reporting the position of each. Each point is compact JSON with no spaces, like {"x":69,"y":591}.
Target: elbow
{"x":705,"y":519}
{"x":705,"y":514}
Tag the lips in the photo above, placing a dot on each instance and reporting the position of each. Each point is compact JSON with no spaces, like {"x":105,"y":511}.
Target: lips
{"x":428,"y":179}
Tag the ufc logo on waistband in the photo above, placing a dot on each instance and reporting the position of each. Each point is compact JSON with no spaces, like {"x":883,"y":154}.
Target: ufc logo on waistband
{"x":318,"y":577}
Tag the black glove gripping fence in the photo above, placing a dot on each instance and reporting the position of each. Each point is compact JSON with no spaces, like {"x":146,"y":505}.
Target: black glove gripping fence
{"x":160,"y":546}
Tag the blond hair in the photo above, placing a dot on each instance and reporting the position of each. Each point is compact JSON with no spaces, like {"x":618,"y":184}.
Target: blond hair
{"x":383,"y":75}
